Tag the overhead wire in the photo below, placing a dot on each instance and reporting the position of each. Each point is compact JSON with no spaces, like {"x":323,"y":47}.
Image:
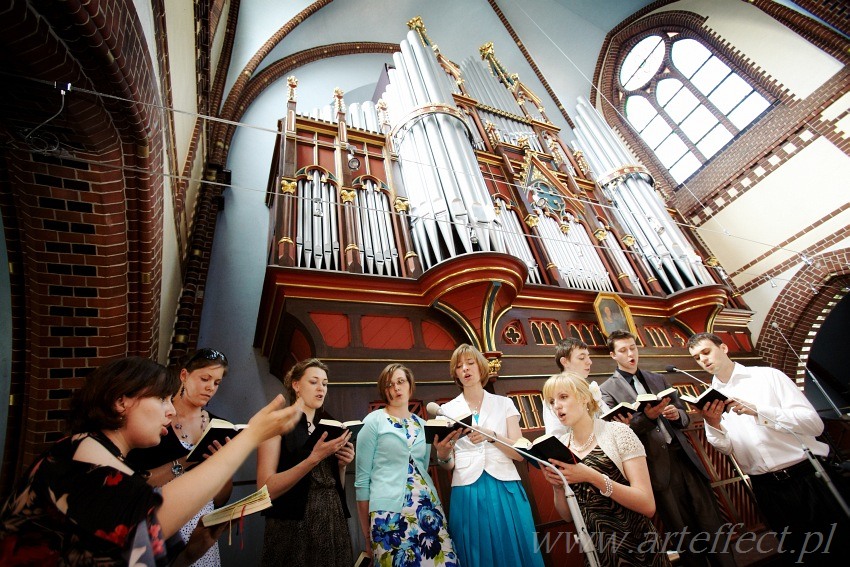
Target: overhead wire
{"x":516,"y":186}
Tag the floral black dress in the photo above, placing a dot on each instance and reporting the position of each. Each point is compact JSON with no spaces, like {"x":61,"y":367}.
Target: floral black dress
{"x":67,"y":512}
{"x":416,"y":536}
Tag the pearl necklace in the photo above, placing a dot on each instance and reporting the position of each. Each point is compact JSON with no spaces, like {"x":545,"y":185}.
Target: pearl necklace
{"x":581,"y":447}
{"x":185,"y":435}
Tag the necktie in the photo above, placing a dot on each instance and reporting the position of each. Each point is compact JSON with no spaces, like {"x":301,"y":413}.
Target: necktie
{"x":661,"y":425}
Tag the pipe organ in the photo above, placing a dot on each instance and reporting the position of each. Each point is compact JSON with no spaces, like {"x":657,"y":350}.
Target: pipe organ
{"x":603,"y":231}
{"x":452,"y":164}
{"x":450,"y":210}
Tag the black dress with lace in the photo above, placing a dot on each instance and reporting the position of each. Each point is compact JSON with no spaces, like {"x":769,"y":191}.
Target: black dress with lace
{"x":622,"y":536}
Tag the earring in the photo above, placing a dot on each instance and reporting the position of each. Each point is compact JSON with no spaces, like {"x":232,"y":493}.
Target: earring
{"x":182,"y":390}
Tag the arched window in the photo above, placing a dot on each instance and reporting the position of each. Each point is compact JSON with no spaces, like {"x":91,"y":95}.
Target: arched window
{"x":684,"y":101}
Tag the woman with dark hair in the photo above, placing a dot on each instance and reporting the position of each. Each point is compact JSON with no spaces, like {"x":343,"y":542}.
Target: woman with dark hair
{"x":484,"y":476}
{"x":80,"y":504}
{"x":400,"y":513}
{"x":200,"y":374}
{"x":306,"y":524}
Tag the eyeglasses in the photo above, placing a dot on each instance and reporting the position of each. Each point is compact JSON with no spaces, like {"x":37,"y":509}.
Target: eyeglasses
{"x":207,"y":354}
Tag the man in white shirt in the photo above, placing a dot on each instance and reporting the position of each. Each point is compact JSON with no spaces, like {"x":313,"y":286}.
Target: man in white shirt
{"x":571,"y":355}
{"x":764,"y":425}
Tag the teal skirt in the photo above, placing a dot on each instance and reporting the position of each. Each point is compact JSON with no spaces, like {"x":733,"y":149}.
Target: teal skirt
{"x":491,"y":525}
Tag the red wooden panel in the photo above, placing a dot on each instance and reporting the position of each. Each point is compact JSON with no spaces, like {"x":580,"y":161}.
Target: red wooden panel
{"x":386,"y":332}
{"x":435,"y":337}
{"x":334,"y":327}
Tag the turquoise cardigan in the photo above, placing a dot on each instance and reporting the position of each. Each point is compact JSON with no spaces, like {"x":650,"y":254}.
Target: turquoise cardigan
{"x":381,"y":462}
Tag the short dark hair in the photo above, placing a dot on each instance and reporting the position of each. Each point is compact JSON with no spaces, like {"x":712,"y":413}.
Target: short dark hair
{"x":134,"y":376}
{"x":387,"y":375}
{"x":695,"y":339}
{"x":618,"y":335}
{"x":565,"y":349}
{"x":297,"y":372}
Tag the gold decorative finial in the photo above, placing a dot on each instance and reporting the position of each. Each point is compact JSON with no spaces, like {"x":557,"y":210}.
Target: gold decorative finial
{"x":495,"y":364}
{"x":292,"y":83}
{"x":628,"y":240}
{"x":339,"y":102}
{"x":532,"y":220}
{"x":401,"y":205}
{"x":287,"y":186}
{"x":347,"y":195}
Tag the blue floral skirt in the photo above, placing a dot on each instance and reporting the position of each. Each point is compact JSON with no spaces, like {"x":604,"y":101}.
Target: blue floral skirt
{"x":417,"y":535}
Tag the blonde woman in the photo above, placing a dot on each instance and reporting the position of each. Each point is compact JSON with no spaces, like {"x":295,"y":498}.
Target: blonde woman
{"x":608,"y":474}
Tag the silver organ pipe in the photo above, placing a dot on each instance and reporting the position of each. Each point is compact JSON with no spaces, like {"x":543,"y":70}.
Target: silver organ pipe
{"x":516,"y":243}
{"x":317,"y":237}
{"x":639,"y":207}
{"x":574,"y":254}
{"x":450,"y":207}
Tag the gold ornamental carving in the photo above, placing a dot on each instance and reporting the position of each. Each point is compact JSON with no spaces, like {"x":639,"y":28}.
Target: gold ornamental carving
{"x":291,"y":83}
{"x":532,"y":220}
{"x":565,"y":227}
{"x":401,"y":205}
{"x":347,"y":195}
{"x":712,"y":262}
{"x":495,"y":365}
{"x":628,"y":240}
{"x":600,"y":234}
{"x":287,"y":186}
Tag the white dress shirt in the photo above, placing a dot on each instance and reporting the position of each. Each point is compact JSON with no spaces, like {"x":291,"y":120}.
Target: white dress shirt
{"x":472,"y":460}
{"x":757,"y":443}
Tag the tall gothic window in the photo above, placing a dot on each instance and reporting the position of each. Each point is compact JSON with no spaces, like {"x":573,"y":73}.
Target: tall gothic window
{"x":684,"y":101}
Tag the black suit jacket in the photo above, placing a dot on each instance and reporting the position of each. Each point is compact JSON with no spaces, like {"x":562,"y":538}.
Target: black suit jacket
{"x":618,"y":389}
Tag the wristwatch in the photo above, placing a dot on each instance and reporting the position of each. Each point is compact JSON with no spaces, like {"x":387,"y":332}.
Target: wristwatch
{"x":176,"y":468}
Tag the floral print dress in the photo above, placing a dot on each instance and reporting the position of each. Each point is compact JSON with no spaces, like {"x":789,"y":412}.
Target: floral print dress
{"x":68,"y":512}
{"x":417,"y":535}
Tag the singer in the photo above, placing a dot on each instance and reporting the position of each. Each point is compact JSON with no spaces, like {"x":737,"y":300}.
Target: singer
{"x":609,"y":477}
{"x":571,"y":355}
{"x":485,"y":478}
{"x":765,"y":428}
{"x":680,"y":482}
{"x":400,"y":513}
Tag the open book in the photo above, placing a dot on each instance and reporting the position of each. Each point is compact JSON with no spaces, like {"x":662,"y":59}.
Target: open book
{"x":363,"y":560}
{"x":640,"y":404}
{"x":251,"y":504}
{"x":217,"y":430}
{"x":544,"y":448}
{"x":442,"y":426}
{"x":334,"y":429}
{"x":706,"y":397}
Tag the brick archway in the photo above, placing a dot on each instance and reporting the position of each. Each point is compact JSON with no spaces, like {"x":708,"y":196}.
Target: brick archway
{"x":800,"y":308}
{"x":81,"y":193}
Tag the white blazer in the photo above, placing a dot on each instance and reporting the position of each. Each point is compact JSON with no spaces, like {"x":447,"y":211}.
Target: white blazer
{"x":472,"y":460}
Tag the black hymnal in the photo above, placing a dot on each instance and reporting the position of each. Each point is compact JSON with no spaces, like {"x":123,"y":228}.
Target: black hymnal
{"x":334,"y":429}
{"x":706,"y":397}
{"x":217,"y":430}
{"x":640,"y":404}
{"x":442,"y":426}
{"x":544,"y":448}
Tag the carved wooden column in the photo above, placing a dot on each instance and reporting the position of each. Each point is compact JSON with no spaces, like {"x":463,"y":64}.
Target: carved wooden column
{"x":411,"y":265}
{"x":287,"y":200}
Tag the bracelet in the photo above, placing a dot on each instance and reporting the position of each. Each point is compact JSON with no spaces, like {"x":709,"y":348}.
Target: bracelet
{"x":445,"y":461}
{"x":609,"y":487}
